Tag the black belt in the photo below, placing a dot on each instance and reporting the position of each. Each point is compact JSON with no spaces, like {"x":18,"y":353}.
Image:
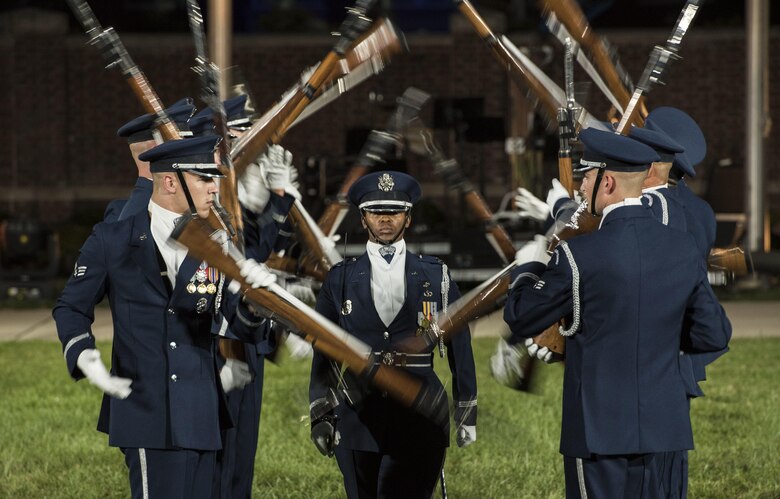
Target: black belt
{"x":400,"y":359}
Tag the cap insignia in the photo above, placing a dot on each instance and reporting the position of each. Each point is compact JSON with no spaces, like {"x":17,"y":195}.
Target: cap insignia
{"x":386,"y":182}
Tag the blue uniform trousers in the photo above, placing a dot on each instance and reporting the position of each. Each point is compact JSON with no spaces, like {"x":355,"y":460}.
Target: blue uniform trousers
{"x":236,"y":460}
{"x":633,"y":476}
{"x":170,"y":474}
{"x":372,"y":475}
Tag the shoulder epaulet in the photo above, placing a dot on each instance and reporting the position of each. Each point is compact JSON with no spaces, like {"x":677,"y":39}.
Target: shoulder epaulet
{"x":431,"y":259}
{"x":345,"y":261}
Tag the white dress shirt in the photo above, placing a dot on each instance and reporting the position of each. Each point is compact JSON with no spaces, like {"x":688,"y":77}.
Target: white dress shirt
{"x":388,"y":286}
{"x":172,"y":251}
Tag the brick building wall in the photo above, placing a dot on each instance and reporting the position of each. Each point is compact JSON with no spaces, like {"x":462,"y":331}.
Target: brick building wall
{"x":64,"y":107}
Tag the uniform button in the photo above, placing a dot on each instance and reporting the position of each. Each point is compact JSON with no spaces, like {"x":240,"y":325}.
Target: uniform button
{"x":173,"y":345}
{"x":386,"y":335}
{"x":174,"y":377}
{"x":170,"y":311}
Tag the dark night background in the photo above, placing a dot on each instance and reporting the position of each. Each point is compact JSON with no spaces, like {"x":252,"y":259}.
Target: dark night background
{"x":58,"y":89}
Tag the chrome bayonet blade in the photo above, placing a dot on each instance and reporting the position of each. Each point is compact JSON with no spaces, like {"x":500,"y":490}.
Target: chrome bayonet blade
{"x":583,"y":118}
{"x":561,"y":33}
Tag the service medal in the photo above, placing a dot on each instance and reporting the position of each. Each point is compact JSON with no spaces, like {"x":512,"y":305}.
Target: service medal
{"x":211,"y":288}
{"x":191,"y":287}
{"x":201,"y":288}
{"x":422,"y":323}
{"x":213,"y":274}
{"x":200,"y":274}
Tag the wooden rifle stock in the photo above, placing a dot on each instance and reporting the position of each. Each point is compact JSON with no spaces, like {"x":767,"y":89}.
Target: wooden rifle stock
{"x":571,"y":16}
{"x":381,"y":39}
{"x":302,"y":266}
{"x":365,"y":58}
{"x":482,"y":300}
{"x":316,"y":257}
{"x":151,"y":102}
{"x":330,"y":216}
{"x":565,"y":174}
{"x":517,"y":71}
{"x":257,"y":138}
{"x":487,"y":298}
{"x":421,"y":141}
{"x":333,"y":341}
{"x":732,"y":260}
{"x":495,"y":232}
{"x":115,"y":54}
{"x":565,"y":135}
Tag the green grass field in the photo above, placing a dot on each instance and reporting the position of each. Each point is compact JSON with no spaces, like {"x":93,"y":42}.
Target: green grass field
{"x":49,"y":447}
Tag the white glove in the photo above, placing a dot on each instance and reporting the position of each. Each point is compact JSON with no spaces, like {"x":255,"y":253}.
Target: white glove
{"x":466,"y":436}
{"x":298,"y":347}
{"x":276,"y":164}
{"x":253,"y":191}
{"x":530,"y":206}
{"x":301,"y":291}
{"x":256,"y":274}
{"x":555,"y":194}
{"x":533,"y":251}
{"x":234,"y":375}
{"x":93,"y":368}
{"x":544,"y":354}
{"x":506,"y":365}
{"x":294,"y":178}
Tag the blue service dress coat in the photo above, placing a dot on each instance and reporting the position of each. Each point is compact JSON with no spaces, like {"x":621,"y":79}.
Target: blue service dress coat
{"x":699,"y":216}
{"x":626,"y":289}
{"x":163,"y":341}
{"x":701,"y":223}
{"x":379,"y":423}
{"x":665,"y":207}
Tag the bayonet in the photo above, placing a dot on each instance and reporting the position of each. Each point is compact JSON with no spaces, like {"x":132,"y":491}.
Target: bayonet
{"x":115,"y":54}
{"x":566,"y":122}
{"x":562,"y":34}
{"x":582,"y":117}
{"x":660,"y":57}
{"x":570,"y":15}
{"x":209,"y":76}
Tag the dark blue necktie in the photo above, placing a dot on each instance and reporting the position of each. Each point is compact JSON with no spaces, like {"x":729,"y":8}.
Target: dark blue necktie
{"x":387,"y":252}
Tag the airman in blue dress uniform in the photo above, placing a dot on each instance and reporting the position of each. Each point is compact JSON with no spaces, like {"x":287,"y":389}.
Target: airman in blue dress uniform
{"x":163,"y":404}
{"x":632,"y":293}
{"x":700,"y":222}
{"x":266,"y":229}
{"x":382,"y":297}
{"x":141,"y":136}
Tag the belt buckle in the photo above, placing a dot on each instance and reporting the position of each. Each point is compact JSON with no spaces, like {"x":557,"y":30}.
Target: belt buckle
{"x":388,"y":358}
